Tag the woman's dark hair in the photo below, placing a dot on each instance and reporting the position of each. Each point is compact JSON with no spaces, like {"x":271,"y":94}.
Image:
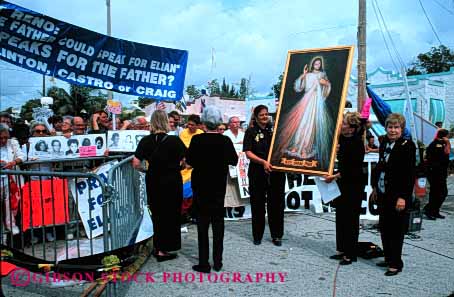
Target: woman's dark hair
{"x":99,"y":138}
{"x":71,"y":141}
{"x":38,"y":146}
{"x":442,"y":133}
{"x":258,"y":109}
{"x":86,"y":142}
{"x":194,"y":118}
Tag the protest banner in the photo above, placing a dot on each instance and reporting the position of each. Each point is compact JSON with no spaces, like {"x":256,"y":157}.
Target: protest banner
{"x":45,"y":202}
{"x":79,"y":56}
{"x":125,"y":140}
{"x":87,"y":192}
{"x":60,"y":147}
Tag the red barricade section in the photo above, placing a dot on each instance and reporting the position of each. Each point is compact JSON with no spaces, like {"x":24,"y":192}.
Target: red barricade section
{"x":48,"y":196}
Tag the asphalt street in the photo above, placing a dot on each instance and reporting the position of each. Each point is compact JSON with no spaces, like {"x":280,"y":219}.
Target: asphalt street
{"x":300,"y":267}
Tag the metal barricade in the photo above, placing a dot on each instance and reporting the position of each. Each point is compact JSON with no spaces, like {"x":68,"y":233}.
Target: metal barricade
{"x":127,"y":203}
{"x":55,"y":210}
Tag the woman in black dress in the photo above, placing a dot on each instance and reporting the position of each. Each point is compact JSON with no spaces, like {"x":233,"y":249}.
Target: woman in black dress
{"x":164,"y":154}
{"x":351,"y":184}
{"x":393,"y":183}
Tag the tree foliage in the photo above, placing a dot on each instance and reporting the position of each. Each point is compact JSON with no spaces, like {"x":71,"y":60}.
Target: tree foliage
{"x":193,"y":92}
{"x":276,"y":88}
{"x":438,"y":59}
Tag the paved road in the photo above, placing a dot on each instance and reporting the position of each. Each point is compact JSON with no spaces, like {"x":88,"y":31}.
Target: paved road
{"x":302,"y":261}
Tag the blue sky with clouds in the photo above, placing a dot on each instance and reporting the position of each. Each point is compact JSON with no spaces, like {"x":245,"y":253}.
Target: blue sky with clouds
{"x":247,"y":37}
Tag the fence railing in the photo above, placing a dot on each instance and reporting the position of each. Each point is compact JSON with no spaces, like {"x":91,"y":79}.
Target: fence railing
{"x":127,"y":204}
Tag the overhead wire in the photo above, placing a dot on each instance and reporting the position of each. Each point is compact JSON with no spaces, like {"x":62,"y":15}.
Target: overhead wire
{"x":431,"y":25}
{"x":384,"y":38}
{"x":444,"y":7}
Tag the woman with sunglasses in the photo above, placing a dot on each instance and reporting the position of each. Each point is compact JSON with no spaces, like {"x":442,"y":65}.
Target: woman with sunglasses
{"x":350,"y":178}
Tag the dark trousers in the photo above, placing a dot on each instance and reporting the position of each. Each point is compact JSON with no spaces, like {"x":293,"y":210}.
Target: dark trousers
{"x":392,"y":228}
{"x":437,"y":194}
{"x":215,"y":217}
{"x":347,"y":224}
{"x":269,"y":189}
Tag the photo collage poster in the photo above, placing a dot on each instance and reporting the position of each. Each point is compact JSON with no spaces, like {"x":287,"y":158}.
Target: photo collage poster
{"x":60,"y":147}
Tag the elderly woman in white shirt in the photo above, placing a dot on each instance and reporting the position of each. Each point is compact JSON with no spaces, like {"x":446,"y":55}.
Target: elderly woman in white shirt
{"x":10,"y":156}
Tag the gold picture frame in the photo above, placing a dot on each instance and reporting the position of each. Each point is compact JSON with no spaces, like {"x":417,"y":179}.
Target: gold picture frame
{"x":311,"y":105}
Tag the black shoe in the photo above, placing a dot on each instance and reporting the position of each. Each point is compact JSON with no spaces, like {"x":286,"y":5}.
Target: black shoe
{"x":165,"y":257}
{"x":202,"y":268}
{"x":257,"y":241}
{"x":217,"y":267}
{"x":393,"y":272}
{"x":439,"y":216}
{"x":345,"y":262}
{"x":277,"y":242}
{"x":382,"y":264}
{"x":337,"y":257}
{"x":430,"y":217}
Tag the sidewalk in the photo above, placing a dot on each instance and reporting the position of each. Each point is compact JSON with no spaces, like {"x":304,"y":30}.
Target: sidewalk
{"x":303,"y":262}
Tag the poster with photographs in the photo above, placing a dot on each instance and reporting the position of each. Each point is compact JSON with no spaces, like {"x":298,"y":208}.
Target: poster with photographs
{"x":125,"y":140}
{"x":310,"y":110}
{"x":60,"y":147}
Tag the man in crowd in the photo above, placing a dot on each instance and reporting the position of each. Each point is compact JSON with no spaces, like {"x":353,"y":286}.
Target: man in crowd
{"x":67,"y":126}
{"x":79,"y":126}
{"x":99,"y":122}
{"x":233,"y":197}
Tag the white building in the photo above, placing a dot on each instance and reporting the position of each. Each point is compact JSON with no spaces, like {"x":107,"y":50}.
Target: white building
{"x":432,"y":94}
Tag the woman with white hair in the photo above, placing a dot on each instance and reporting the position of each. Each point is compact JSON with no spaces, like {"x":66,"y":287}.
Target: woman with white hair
{"x":210,"y":155}
{"x":10,"y":156}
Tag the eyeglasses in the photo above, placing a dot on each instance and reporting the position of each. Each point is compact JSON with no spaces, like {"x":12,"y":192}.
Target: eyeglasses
{"x":40,"y":131}
{"x":221,"y":129}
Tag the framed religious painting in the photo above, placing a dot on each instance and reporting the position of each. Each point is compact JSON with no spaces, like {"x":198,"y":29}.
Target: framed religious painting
{"x":311,"y":104}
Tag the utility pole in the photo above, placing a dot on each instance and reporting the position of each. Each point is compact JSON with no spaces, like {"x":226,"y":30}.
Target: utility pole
{"x":361,"y":54}
{"x":109,"y":33}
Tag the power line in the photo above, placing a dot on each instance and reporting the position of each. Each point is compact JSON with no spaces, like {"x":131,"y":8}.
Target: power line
{"x":431,"y":25}
{"x":444,"y":7}
{"x":322,"y":29}
{"x":384,"y":38}
{"x":399,"y":58}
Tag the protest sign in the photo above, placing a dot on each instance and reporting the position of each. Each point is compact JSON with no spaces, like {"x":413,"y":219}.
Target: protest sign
{"x":87,"y":192}
{"x":60,"y":147}
{"x":242,"y":169}
{"x":125,"y":140}
{"x":114,"y":107}
{"x":79,"y":56}
{"x":45,"y":202}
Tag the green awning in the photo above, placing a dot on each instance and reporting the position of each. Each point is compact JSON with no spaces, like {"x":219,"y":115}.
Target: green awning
{"x":437,"y":110}
{"x":398,"y":105}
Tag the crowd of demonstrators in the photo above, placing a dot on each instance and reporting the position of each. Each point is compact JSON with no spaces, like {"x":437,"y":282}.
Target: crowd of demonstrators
{"x":350,"y":158}
{"x":209,"y":155}
{"x":164,"y":154}
{"x":265,"y":185}
{"x":392,"y":189}
{"x":437,"y":163}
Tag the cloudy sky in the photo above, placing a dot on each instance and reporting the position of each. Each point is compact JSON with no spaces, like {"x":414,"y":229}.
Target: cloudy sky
{"x":248,"y":38}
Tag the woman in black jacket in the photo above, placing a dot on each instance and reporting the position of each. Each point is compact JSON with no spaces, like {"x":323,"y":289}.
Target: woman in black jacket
{"x":393,"y":182}
{"x":351,"y":184}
